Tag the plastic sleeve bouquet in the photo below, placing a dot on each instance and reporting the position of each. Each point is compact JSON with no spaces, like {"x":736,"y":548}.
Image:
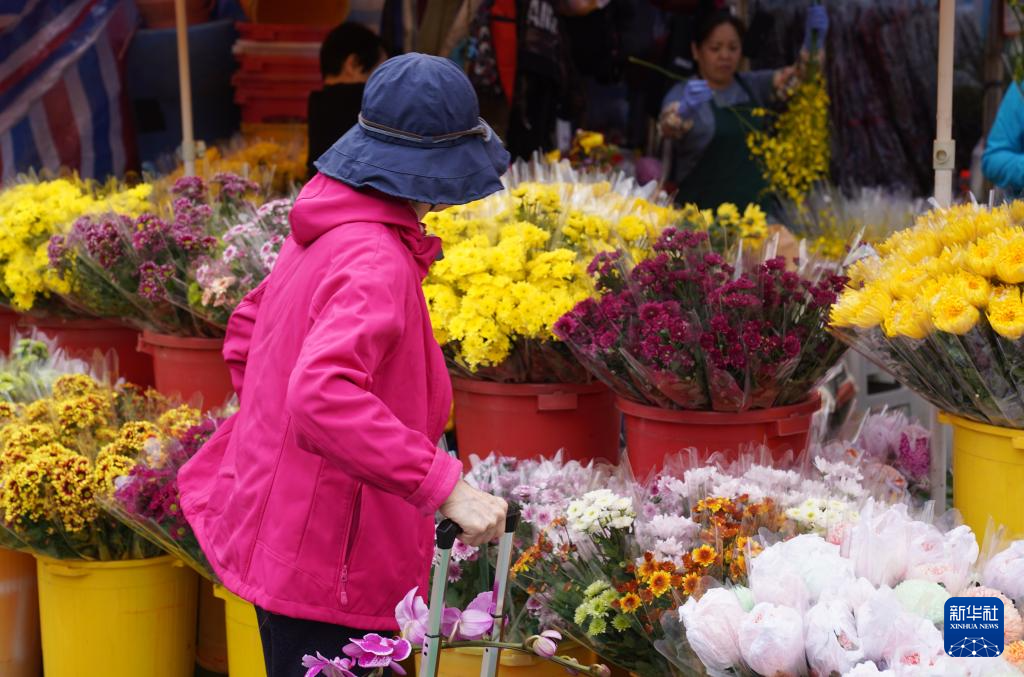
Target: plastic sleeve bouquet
{"x":940,"y":308}
{"x":35,"y":211}
{"x":686,"y":329}
{"x":868,"y":589}
{"x":146,"y":498}
{"x":181,"y":275}
{"x":580,"y":569}
{"x":543,"y":488}
{"x":516,"y":261}
{"x":34,"y":363}
{"x":871,"y":602}
{"x":62,"y":453}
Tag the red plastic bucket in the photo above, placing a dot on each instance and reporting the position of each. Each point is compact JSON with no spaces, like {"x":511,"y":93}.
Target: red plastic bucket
{"x":653,"y":433}
{"x":525,"y":420}
{"x":82,"y":338}
{"x":8,"y":322}
{"x":189,"y":367}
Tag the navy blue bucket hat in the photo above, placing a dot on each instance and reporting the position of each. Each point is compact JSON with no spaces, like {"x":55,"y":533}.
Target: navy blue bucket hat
{"x":420,"y":136}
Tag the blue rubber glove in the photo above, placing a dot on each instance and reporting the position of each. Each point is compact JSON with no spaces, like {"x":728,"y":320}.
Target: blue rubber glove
{"x":696,"y":93}
{"x":817,"y":24}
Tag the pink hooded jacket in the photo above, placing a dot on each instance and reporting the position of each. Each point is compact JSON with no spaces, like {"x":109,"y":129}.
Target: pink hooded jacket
{"x":317,"y":499}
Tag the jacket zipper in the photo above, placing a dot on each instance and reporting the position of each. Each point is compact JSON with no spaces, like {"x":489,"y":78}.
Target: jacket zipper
{"x":353,"y":528}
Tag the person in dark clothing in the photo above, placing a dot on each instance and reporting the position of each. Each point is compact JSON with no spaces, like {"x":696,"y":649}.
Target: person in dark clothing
{"x":540,"y":77}
{"x":348,"y":56}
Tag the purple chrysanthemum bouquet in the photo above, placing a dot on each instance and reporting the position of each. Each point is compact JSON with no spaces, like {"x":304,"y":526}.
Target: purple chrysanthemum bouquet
{"x":686,"y":329}
{"x":147,"y":498}
{"x":180,"y":271}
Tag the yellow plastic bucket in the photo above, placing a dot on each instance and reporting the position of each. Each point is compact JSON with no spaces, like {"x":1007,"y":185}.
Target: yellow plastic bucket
{"x":245,"y":650}
{"x":20,"y":654}
{"x":466,"y":662}
{"x":212,"y":651}
{"x":988,"y":474}
{"x":117,"y":619}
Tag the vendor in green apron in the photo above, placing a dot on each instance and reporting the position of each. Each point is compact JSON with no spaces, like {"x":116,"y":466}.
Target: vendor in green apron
{"x":708,"y":118}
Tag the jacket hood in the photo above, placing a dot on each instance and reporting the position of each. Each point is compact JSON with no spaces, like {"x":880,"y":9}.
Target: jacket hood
{"x":325,"y":204}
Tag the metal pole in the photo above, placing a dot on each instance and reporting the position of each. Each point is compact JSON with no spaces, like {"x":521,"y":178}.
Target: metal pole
{"x":188,"y":142}
{"x":445,"y":535}
{"x":944,"y":156}
{"x":944,"y":160}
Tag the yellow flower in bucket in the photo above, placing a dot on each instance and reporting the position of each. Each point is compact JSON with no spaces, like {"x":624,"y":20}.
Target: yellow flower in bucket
{"x":908,"y":318}
{"x":1009,"y":262}
{"x":1006,"y":312}
{"x":953,"y":313}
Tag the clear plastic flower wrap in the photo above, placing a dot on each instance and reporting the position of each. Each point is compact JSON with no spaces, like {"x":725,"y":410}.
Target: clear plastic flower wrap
{"x":796,"y":572}
{"x":686,"y":329}
{"x":869,"y":588}
{"x":582,"y":569}
{"x":712,"y":628}
{"x":33,"y":211}
{"x":830,"y":218}
{"x":277,"y":166}
{"x":887,"y":545}
{"x":772,"y":640}
{"x":180,"y":270}
{"x":940,"y":308}
{"x":831,"y":640}
{"x":35,"y":362}
{"x":543,"y":488}
{"x":1005,"y":571}
{"x":146,"y":498}
{"x":63,"y":453}
{"x":516,"y":261}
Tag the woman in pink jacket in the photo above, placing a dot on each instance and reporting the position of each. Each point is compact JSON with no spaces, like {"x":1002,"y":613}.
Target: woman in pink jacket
{"x":316,"y":501}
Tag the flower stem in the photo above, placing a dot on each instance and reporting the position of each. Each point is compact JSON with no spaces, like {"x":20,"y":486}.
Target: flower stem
{"x":667,"y":73}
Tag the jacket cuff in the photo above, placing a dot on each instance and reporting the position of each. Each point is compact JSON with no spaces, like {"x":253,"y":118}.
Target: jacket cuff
{"x":439,"y":483}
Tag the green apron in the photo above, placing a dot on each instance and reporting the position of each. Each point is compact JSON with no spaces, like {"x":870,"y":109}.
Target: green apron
{"x":726,"y":171}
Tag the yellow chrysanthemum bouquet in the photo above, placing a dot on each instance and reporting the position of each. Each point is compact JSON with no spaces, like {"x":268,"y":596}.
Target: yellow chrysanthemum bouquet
{"x":62,"y":454}
{"x":940,"y":307}
{"x":517,"y":261}
{"x":34,"y":211}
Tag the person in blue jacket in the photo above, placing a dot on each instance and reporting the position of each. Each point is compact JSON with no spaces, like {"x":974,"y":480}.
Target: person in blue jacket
{"x":1003,"y":161}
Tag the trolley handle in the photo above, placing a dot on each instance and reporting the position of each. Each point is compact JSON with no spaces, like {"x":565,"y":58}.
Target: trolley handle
{"x":447,"y":531}
{"x":512,"y":518}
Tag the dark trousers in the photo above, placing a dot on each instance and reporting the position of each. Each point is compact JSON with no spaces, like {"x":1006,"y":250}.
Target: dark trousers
{"x":286,"y":640}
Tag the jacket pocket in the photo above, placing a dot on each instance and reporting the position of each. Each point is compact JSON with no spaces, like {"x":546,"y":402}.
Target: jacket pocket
{"x":351,"y":532}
